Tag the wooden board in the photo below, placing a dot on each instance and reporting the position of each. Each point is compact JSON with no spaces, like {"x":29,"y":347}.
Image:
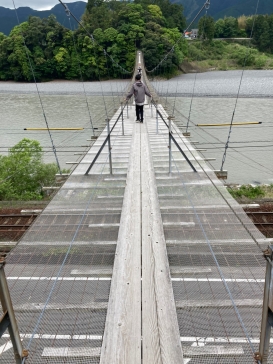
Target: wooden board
{"x":122,"y":336}
{"x":160,"y":332}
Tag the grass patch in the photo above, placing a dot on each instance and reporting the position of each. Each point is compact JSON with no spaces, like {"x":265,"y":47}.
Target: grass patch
{"x":251,"y":192}
{"x":247,"y":191}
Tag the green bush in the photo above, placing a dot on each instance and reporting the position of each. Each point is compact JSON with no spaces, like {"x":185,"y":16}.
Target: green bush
{"x":260,"y":61}
{"x":197,"y":54}
{"x":247,"y":191}
{"x":243,"y":56}
{"x":23,"y":173}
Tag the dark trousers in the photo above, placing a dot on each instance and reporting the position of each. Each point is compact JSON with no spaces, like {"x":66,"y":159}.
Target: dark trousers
{"x":139,"y":112}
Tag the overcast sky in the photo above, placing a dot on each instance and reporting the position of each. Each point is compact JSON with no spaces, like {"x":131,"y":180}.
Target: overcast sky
{"x":34,"y":4}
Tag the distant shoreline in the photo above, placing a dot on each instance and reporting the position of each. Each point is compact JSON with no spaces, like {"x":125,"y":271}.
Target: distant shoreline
{"x":218,"y":84}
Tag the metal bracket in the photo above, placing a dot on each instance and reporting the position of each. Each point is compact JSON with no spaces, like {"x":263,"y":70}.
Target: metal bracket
{"x":257,"y":357}
{"x":268,"y":253}
{"x":207,"y":4}
{"x":67,"y":11}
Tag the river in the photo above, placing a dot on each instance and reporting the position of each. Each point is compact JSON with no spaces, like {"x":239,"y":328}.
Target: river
{"x":211,"y":97}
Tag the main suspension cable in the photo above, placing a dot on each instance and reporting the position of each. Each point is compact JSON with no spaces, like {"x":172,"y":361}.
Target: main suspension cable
{"x":41,"y":103}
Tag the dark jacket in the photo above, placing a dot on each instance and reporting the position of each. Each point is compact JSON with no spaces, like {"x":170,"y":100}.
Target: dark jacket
{"x":139,"y":90}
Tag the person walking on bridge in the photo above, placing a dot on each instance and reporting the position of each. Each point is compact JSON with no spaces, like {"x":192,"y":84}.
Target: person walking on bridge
{"x":139,"y":90}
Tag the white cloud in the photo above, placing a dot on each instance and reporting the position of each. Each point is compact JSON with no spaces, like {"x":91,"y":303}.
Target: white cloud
{"x":34,"y":4}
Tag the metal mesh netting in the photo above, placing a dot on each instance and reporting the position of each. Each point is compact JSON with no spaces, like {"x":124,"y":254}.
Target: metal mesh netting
{"x":60,"y":273}
{"x":217,"y":268}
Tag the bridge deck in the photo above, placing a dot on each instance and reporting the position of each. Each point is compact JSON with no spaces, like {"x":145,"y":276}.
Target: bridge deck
{"x":121,"y":268}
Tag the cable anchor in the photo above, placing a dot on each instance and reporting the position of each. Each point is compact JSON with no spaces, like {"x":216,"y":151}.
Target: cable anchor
{"x":207,"y":4}
{"x":67,"y":11}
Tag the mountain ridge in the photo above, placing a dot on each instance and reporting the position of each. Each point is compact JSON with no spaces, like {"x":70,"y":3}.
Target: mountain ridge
{"x":220,"y":9}
{"x":8,"y":19}
{"x":217,"y":9}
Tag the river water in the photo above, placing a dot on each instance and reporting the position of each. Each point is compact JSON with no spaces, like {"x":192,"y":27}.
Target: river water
{"x":211,"y":97}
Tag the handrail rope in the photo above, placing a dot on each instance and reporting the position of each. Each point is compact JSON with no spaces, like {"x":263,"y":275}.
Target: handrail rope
{"x":213,"y":254}
{"x":80,"y":69}
{"x":92,"y":37}
{"x":206,"y":6}
{"x":239,"y":88}
{"x":66,"y":255}
{"x":37,"y":89}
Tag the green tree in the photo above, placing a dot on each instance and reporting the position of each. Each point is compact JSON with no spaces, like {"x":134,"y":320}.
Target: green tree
{"x":261,"y":33}
{"x":270,"y":23}
{"x":54,"y":52}
{"x":23,"y":173}
{"x":206,"y":28}
{"x":219,"y":28}
{"x":231,"y":27}
{"x":172,"y":13}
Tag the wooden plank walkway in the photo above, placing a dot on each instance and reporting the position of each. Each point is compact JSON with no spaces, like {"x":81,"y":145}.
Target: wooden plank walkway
{"x":141,"y":323}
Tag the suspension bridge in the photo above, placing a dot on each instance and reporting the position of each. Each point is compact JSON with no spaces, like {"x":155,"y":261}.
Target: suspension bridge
{"x":141,"y":257}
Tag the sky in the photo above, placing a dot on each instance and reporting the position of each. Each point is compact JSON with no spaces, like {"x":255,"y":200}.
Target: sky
{"x":34,"y":4}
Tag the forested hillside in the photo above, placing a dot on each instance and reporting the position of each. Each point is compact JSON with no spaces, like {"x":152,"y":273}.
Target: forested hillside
{"x":114,"y":30}
{"x":8,"y":19}
{"x":118,"y":28}
{"x":221,"y":8}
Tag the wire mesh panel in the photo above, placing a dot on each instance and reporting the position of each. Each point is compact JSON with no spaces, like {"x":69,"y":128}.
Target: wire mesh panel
{"x":215,"y":256}
{"x":60,"y":273}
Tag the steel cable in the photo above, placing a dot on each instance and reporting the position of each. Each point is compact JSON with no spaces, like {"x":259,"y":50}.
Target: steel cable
{"x":34,"y":78}
{"x":239,"y":88}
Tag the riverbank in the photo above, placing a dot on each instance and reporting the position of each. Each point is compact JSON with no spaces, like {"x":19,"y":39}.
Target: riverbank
{"x":225,"y":55}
